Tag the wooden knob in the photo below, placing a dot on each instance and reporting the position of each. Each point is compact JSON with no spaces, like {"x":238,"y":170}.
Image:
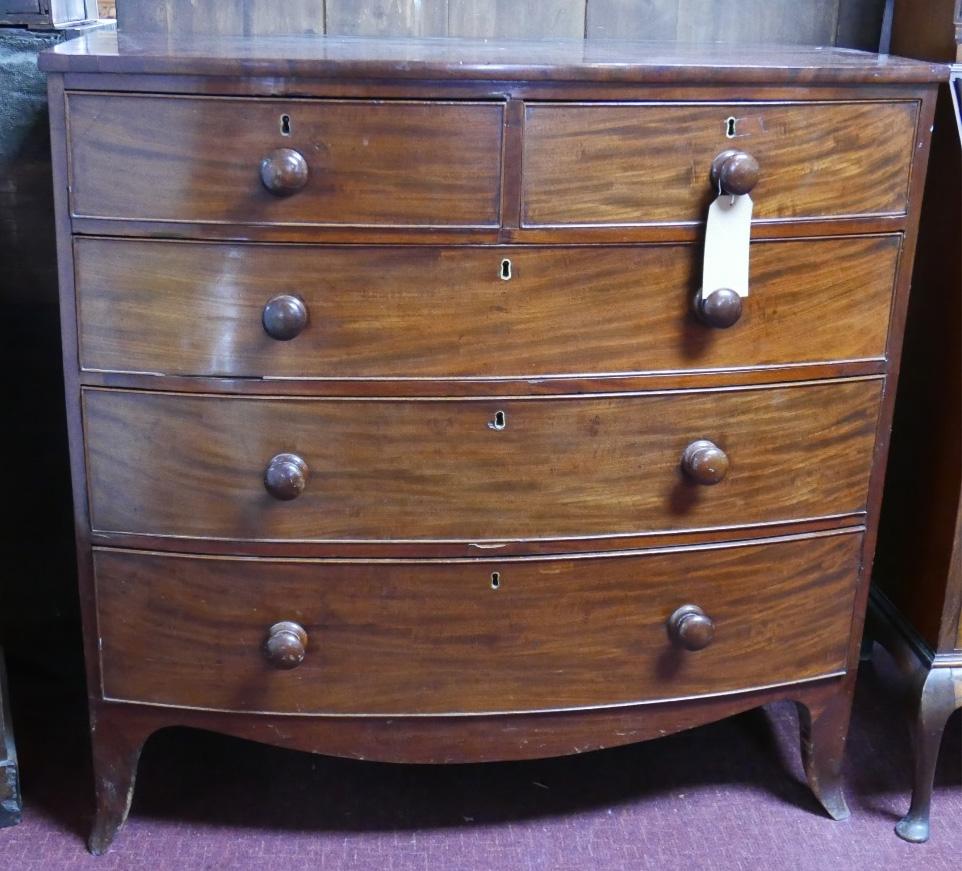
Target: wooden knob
{"x":286,"y":644}
{"x":691,"y":628}
{"x":721,"y":308}
{"x":285,"y":317}
{"x":286,"y":476}
{"x":284,"y":172}
{"x":734,"y":172}
{"x":704,"y":462}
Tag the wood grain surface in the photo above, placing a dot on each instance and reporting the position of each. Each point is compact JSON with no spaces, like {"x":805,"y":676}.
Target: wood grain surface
{"x":570,"y":61}
{"x":370,"y":163}
{"x":174,"y":307}
{"x":638,"y":164}
{"x":193,"y":465}
{"x":854,"y":23}
{"x":433,"y":637}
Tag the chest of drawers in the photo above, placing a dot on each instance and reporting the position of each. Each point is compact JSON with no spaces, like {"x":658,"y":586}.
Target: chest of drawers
{"x":395,"y":434}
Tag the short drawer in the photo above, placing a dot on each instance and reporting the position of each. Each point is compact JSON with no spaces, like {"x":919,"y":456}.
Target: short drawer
{"x":412,"y":311}
{"x":199,"y":465}
{"x":475,"y":636}
{"x":626,"y":164}
{"x":361,"y":163}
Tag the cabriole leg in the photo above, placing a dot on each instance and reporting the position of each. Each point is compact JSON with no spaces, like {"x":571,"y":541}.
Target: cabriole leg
{"x":941,"y":695}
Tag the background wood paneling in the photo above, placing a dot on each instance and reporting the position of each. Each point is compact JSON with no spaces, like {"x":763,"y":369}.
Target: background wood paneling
{"x":224,"y":17}
{"x":510,"y":18}
{"x":387,"y":17}
{"x":632,"y":19}
{"x":859,"y":23}
{"x":739,"y":21}
{"x":845,"y":22}
{"x":785,"y":21}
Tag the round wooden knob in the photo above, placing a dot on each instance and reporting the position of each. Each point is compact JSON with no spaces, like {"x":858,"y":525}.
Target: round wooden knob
{"x":734,"y":172}
{"x":285,"y":317}
{"x":704,"y":462}
{"x":284,"y":172}
{"x":691,"y":628}
{"x":286,"y":644}
{"x":721,"y":308}
{"x":286,"y":476}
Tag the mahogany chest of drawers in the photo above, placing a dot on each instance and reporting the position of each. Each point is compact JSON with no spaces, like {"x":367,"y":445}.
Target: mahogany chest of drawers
{"x":395,"y":431}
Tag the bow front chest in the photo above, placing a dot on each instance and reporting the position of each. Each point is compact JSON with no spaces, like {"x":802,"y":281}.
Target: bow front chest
{"x":403,"y":423}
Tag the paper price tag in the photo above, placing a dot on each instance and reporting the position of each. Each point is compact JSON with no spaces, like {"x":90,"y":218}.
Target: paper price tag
{"x":726,"y":245}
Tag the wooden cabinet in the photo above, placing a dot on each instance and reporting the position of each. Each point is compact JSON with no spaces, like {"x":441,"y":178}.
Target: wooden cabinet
{"x":400,"y":428}
{"x":917,"y":584}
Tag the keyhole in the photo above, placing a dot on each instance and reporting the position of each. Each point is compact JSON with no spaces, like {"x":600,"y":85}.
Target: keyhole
{"x":730,"y":127}
{"x":495,"y":580}
{"x":285,"y":125}
{"x":505,"y":270}
{"x":500,"y":421}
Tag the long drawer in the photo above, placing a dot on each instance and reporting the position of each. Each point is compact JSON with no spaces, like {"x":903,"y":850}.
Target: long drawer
{"x":196,"y":465}
{"x":189,"y":308}
{"x":624,"y":164}
{"x":361,"y":163}
{"x":474,"y":636}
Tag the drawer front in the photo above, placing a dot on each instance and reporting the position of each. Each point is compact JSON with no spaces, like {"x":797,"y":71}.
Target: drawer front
{"x":173,"y":307}
{"x":368,"y":163}
{"x":195,"y":465}
{"x":649,"y":163}
{"x":433,"y":637}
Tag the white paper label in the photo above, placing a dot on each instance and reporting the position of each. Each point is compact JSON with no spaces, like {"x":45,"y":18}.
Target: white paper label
{"x":726,"y":245}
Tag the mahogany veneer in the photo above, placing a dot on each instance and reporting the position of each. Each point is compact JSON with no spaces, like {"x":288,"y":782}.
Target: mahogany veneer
{"x":498,"y":637}
{"x":395,"y":431}
{"x":623,"y":164}
{"x":428,"y":312}
{"x":438,"y":469}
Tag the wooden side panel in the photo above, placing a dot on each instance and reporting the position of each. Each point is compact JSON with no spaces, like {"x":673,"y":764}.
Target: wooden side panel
{"x":429,"y":637}
{"x":639,"y":164}
{"x":931,"y":35}
{"x":370,"y":163}
{"x":860,"y":24}
{"x":918,"y":527}
{"x":173,"y":307}
{"x":193,"y":465}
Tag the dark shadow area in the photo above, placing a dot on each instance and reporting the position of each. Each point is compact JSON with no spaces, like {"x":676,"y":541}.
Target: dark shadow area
{"x":216,"y":781}
{"x":39,"y":621}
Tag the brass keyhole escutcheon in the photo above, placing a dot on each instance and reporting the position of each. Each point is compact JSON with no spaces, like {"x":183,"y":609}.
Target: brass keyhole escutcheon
{"x":505,"y":271}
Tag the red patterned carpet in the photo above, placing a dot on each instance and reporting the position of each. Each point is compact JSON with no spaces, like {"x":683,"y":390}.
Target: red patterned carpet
{"x":725,"y":796}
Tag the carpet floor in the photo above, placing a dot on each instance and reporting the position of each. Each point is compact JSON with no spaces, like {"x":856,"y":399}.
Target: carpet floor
{"x":725,"y":796}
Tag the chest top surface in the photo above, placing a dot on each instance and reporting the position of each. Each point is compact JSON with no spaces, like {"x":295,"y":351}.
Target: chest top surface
{"x":471,"y":59}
